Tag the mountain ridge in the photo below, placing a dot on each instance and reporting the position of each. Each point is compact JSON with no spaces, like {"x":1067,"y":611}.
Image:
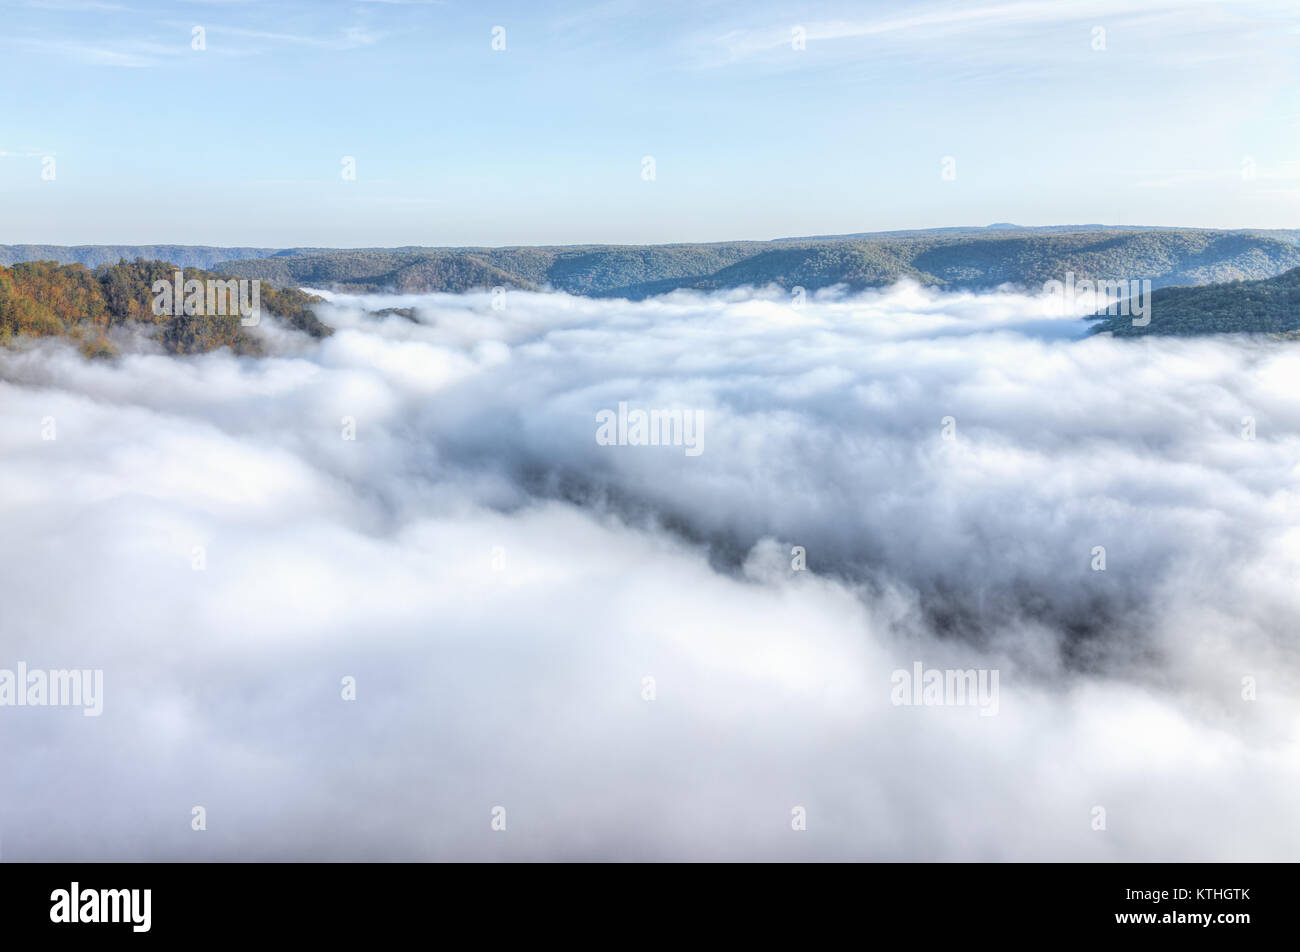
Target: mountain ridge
{"x":955,"y":257}
{"x":1024,"y":258}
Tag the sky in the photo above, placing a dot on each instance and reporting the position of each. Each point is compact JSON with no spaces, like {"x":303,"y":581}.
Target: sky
{"x":115,"y":128}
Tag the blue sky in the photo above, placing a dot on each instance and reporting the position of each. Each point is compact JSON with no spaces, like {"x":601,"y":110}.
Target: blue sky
{"x":1190,"y":115}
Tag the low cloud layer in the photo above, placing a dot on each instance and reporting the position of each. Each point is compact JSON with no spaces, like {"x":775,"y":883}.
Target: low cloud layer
{"x":500,"y":585}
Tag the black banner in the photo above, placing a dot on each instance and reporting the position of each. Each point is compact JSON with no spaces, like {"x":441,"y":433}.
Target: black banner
{"x":144,"y":902}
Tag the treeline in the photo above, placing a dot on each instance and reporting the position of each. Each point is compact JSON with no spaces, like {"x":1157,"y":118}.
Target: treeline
{"x":92,"y":256}
{"x":1021,"y":257}
{"x":1268,"y":306}
{"x":953,"y":258}
{"x":47,"y":299}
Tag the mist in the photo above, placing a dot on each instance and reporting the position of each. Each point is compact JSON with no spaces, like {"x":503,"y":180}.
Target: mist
{"x":636,"y":651}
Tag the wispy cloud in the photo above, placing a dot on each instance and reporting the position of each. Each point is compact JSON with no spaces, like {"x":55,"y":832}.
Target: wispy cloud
{"x":744,"y":44}
{"x":350,"y":38}
{"x":80,"y":6}
{"x":1177,"y":178}
{"x":132,"y":55}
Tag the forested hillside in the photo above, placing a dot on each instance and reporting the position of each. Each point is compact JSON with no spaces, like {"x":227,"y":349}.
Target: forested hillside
{"x":1205,"y":281}
{"x":1019,"y":257}
{"x":47,"y":299}
{"x":977,"y":258}
{"x":1269,"y":306}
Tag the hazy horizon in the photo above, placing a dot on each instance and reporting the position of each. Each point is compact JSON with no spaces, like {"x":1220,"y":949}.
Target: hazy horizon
{"x":992,"y":227}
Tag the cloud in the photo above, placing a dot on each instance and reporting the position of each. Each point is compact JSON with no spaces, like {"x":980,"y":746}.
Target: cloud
{"x":133,"y":54}
{"x":1246,"y":171}
{"x":963,"y":22}
{"x":157,"y":49}
{"x":500,"y":585}
{"x":352,"y":37}
{"x":80,"y":6}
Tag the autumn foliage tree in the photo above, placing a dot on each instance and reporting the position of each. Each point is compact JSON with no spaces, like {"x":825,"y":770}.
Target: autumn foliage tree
{"x":45,"y":298}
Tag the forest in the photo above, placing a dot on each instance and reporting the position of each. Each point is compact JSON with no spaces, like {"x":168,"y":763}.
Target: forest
{"x":48,"y":299}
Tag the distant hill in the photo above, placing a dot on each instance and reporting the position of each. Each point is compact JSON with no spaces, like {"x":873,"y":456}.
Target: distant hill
{"x":1292,"y":235}
{"x":92,"y":256}
{"x":983,"y":259}
{"x":1267,"y":306}
{"x":375,"y":270}
{"x":961,"y":257}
